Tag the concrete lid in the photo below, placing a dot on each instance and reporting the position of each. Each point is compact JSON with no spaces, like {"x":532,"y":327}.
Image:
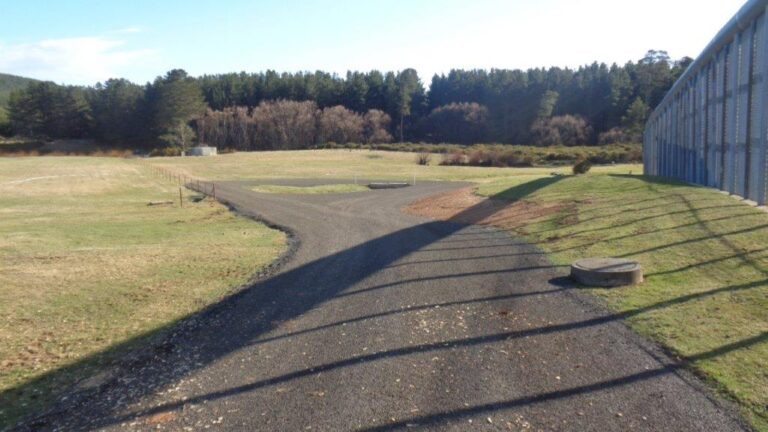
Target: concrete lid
{"x":607,"y":272}
{"x":607,"y":265}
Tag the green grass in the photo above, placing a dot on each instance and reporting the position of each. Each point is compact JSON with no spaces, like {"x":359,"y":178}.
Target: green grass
{"x":311,"y":190}
{"x":705,"y":257}
{"x":346,"y":164}
{"x":86,"y":265}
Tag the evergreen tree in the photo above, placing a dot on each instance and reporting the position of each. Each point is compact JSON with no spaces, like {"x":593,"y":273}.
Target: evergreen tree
{"x":634,"y":119}
{"x":174,"y":99}
{"x":408,"y":89}
{"x":116,"y":105}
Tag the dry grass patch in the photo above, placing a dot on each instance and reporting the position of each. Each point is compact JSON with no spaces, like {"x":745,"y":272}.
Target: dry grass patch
{"x":85,"y":265}
{"x":464,"y":206}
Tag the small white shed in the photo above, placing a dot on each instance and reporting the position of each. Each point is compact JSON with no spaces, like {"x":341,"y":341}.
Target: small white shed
{"x":202,"y":151}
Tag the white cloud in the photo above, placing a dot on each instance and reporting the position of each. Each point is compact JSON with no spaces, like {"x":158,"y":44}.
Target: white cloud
{"x":79,"y":60}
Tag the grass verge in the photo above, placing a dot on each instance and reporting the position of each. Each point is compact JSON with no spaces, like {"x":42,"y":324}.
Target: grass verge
{"x":706,"y":264}
{"x":86,"y":264}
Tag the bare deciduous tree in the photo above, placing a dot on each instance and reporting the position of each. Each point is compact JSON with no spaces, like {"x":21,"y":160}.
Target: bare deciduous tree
{"x":565,"y":130}
{"x":339,"y":125}
{"x":285,"y":124}
{"x":375,"y":127}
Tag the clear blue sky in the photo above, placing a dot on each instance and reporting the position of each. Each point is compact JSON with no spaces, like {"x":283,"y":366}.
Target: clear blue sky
{"x":82,"y":42}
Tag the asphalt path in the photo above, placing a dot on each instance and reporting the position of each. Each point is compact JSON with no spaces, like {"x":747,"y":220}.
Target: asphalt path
{"x":381,"y":321}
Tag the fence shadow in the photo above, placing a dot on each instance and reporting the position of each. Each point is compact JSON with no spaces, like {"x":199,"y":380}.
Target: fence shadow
{"x":292,"y":293}
{"x":282,"y":297}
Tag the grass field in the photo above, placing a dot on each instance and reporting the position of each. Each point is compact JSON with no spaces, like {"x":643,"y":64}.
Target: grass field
{"x":706,"y":261}
{"x":705,"y":297}
{"x":704,"y":253}
{"x":341,"y":164}
{"x":86,"y":265}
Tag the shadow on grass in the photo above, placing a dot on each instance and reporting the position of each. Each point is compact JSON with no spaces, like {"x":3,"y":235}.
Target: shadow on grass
{"x":280,"y":298}
{"x":523,"y":190}
{"x":230,"y":325}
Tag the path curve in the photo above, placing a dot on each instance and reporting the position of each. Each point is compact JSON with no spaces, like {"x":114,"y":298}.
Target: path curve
{"x":384,"y":321}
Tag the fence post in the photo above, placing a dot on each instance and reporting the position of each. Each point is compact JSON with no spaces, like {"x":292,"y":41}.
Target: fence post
{"x":181,"y":199}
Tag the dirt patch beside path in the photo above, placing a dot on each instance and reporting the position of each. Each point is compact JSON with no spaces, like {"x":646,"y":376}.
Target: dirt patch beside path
{"x":464,"y":206}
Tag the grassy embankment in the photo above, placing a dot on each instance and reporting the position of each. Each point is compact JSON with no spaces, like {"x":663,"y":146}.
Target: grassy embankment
{"x":86,"y":265}
{"x":706,"y":261}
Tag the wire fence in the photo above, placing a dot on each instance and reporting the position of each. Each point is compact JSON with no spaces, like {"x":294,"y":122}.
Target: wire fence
{"x":208,"y":188}
{"x":203,"y":186}
{"x":712,"y":126}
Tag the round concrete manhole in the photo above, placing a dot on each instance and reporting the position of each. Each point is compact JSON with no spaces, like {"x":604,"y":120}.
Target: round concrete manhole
{"x":607,"y":272}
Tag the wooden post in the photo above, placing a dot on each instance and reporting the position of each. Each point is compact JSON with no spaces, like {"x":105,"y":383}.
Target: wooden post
{"x":181,"y":199}
{"x":213,"y":187}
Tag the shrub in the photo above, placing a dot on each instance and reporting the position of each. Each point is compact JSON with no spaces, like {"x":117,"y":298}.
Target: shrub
{"x":285,"y":125}
{"x":423,"y":158}
{"x":514,"y":158}
{"x":616,"y":135}
{"x":565,"y":130}
{"x":582,"y":166}
{"x":375,"y":125}
{"x":339,"y":125}
{"x":112,"y":153}
{"x":454,"y":158}
{"x":166,"y":151}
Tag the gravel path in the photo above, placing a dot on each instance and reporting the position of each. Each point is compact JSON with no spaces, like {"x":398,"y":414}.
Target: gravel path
{"x":383,"y":321}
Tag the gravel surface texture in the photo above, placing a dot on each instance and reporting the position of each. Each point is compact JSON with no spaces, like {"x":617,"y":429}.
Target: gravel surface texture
{"x":380,"y":321}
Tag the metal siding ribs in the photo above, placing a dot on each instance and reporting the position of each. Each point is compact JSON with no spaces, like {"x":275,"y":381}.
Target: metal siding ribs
{"x":712,"y":126}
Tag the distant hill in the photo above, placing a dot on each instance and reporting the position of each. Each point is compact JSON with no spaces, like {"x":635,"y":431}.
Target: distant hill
{"x":8,"y":84}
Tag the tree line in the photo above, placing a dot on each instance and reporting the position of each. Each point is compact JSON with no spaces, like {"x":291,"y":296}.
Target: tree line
{"x":267,"y":110}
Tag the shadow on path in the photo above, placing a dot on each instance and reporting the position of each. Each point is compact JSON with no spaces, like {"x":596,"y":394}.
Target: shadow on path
{"x":243,"y":319}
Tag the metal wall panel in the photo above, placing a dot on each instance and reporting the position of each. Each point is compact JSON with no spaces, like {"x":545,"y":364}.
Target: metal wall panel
{"x":758,"y":109}
{"x":731,"y":89}
{"x":711,"y":124}
{"x":712,"y":127}
{"x":742,"y":96}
